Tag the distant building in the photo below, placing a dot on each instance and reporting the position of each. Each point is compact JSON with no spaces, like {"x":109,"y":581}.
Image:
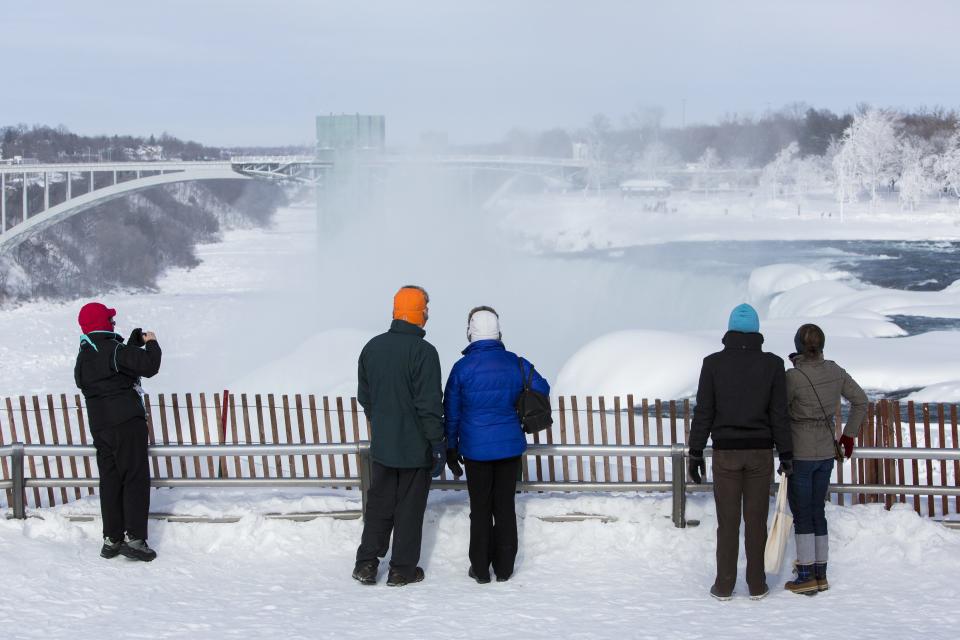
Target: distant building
{"x":639,"y":187}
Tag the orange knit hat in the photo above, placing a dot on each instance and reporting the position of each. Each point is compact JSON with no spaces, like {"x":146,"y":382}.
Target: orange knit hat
{"x":410,"y":304}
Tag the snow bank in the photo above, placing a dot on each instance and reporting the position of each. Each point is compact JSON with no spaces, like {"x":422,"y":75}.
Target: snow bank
{"x":655,"y":364}
{"x":777,"y":278}
{"x":634,"y":577}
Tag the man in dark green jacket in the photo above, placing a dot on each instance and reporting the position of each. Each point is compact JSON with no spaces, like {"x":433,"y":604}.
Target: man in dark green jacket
{"x":399,"y":388}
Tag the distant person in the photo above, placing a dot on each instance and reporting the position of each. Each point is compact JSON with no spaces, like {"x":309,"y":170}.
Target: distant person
{"x":108,"y":372}
{"x":399,"y":388}
{"x":814,"y":389}
{"x":484,"y":432}
{"x":742,"y":407}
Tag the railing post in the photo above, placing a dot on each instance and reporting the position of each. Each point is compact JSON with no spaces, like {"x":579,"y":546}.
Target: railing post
{"x":366,"y":473}
{"x":19,"y":490}
{"x":679,"y":478}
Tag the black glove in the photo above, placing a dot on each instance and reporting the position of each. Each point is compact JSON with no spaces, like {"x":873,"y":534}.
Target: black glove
{"x":696,"y":466}
{"x":454,"y":460}
{"x":439,"y":455}
{"x":786,"y":467}
{"x":136,"y":338}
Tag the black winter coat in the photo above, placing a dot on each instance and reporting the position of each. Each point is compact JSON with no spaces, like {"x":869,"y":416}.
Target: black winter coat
{"x":398,"y":385}
{"x":108,"y":373}
{"x":742,"y":398}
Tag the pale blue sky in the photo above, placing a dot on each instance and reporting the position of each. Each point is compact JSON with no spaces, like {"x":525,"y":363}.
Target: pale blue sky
{"x":243,"y":72}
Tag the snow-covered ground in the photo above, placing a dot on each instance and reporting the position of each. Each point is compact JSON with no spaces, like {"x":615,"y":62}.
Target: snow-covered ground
{"x":893,"y":574}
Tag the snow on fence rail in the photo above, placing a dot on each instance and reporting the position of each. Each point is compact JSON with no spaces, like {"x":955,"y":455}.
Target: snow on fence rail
{"x":269,"y":419}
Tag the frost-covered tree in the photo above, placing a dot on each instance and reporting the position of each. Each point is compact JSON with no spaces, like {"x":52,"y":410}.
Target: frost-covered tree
{"x":847,"y":174}
{"x":655,"y":158}
{"x":917,"y":178}
{"x":709,"y":161}
{"x":872,"y":145}
{"x":778,"y":175}
{"x":947,"y":167}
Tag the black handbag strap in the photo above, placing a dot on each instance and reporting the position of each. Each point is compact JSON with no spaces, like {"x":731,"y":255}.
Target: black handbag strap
{"x":523,"y":378}
{"x":827,"y":419}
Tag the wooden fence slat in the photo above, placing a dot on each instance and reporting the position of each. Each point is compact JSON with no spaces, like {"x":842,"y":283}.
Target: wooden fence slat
{"x":926,"y":444}
{"x":314,"y":425}
{"x":686,"y":420}
{"x":272,"y":407}
{"x":162,"y":407}
{"x":942,"y":432}
{"x":658,"y":407}
{"x":342,"y":423}
{"x":551,"y":467}
{"x":956,"y":463}
{"x":83,"y":436}
{"x":247,"y":434}
{"x":6,"y":470}
{"x":355,"y":419}
{"x":261,"y":432}
{"x":914,"y":464}
{"x":328,"y":431}
{"x":564,"y":460}
{"x":576,"y":435}
{"x":593,"y":459}
{"x":205,"y":423}
{"x":617,"y":426}
{"x":537,"y":459}
{"x":889,"y":473}
{"x":301,"y":427}
{"x":28,"y":439}
{"x":632,"y":435}
{"x":604,"y":438}
{"x":55,"y":437}
{"x":647,"y":462}
{"x":68,"y":432}
{"x":192,"y":426}
{"x":898,"y":442}
{"x":175,"y":403}
{"x":288,"y":429}
{"x":42,"y":439}
{"x":235,"y":430}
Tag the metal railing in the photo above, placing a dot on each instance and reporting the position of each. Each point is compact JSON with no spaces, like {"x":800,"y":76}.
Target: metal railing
{"x":678,"y":485}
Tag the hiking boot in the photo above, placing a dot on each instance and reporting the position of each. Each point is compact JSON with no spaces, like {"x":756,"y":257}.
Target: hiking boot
{"x":762,"y":595}
{"x":820,"y":573}
{"x":366,"y":572}
{"x":805,"y":582}
{"x":110,"y":548}
{"x":480,"y":580}
{"x":720,"y":596}
{"x":137,"y":549}
{"x":503,"y":578}
{"x":397,"y":579}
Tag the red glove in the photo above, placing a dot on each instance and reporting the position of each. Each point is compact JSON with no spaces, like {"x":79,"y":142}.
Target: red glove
{"x":847,"y":443}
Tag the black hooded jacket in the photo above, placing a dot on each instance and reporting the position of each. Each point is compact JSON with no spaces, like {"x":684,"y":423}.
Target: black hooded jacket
{"x":108,"y":373}
{"x":742,"y":399}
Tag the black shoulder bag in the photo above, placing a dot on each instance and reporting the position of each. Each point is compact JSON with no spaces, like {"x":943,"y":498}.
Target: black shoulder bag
{"x":828,"y":420}
{"x":533,"y":407}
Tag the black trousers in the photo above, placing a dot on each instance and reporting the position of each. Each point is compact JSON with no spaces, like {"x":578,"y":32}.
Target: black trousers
{"x":124,"y":478}
{"x":396,"y":502}
{"x":493,"y":517}
{"x":741,"y":488}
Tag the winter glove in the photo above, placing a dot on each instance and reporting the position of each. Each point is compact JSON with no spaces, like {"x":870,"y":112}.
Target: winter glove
{"x":136,"y":338}
{"x":847,"y":443}
{"x":453,"y":463}
{"x":786,"y":467}
{"x":696,"y":466}
{"x":439,"y":457}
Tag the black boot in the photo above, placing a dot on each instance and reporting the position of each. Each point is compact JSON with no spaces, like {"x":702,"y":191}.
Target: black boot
{"x":479,"y":579}
{"x":820,"y":571}
{"x":366,"y":572}
{"x":805,"y":582}
{"x":397,"y":579}
{"x":110,"y":548}
{"x":137,"y":549}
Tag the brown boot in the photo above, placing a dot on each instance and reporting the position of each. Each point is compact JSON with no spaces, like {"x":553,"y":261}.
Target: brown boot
{"x":805,"y":582}
{"x":820,"y":573}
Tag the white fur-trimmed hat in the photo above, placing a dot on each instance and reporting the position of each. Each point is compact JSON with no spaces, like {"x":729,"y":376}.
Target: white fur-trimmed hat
{"x":483,"y":324}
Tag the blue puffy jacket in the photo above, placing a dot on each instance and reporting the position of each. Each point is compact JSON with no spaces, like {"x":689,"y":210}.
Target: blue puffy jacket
{"x":480,"y":417}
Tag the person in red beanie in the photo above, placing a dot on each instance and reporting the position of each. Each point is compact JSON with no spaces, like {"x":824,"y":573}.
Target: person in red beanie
{"x":108,"y":372}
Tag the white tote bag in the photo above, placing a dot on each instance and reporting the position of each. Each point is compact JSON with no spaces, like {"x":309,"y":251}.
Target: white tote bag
{"x":779,"y":531}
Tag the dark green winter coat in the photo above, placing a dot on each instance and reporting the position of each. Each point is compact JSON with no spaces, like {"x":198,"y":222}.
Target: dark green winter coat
{"x":399,"y":388}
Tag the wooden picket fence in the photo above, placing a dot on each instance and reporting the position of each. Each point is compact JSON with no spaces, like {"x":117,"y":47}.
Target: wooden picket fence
{"x":298,"y":419}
